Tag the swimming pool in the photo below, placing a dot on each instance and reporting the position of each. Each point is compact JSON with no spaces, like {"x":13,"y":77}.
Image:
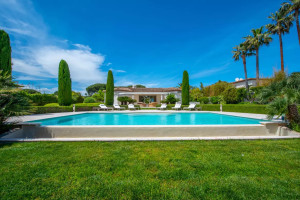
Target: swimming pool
{"x":104,"y":119}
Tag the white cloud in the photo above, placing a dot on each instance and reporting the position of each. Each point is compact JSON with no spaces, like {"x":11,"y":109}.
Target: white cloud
{"x":209,"y":72}
{"x":117,"y":70}
{"x":44,"y":62}
{"x":125,"y":82}
{"x":120,"y":71}
{"x":150,"y":85}
{"x":29,"y":78}
{"x":83,"y":47}
{"x":36,"y":54}
{"x":27,"y":66}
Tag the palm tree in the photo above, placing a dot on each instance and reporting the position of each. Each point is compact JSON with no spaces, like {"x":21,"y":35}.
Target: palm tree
{"x":282,"y":23}
{"x":258,"y":39}
{"x":293,"y":6}
{"x":242,"y":51}
{"x":283,"y":97}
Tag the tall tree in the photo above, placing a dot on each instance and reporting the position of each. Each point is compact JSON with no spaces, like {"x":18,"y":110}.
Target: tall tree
{"x":13,"y":102}
{"x":185,"y":88}
{"x":5,"y":53}
{"x":256,"y":40}
{"x":282,"y":23}
{"x":293,"y":6}
{"x":242,"y":51}
{"x":109,"y":99}
{"x":92,"y":89}
{"x":64,"y":84}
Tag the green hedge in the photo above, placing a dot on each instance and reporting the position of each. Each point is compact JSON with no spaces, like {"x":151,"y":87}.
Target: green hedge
{"x":210,"y":107}
{"x":44,"y":109}
{"x":243,"y":108}
{"x":246,"y":108}
{"x":54,"y":108}
{"x":42,"y":99}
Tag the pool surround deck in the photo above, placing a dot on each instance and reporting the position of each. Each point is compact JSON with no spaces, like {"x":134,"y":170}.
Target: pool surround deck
{"x":35,"y":132}
{"x":28,"y":118}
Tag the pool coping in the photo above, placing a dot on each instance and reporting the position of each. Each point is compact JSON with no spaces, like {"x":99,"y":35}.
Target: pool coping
{"x":27,"y":118}
{"x":34,"y":131}
{"x":146,"y":139}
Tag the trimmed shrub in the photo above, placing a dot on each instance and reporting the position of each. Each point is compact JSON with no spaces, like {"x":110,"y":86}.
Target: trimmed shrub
{"x":185,"y":88}
{"x":246,"y":108}
{"x":214,"y":100}
{"x":42,"y":99}
{"x":57,"y":109}
{"x":99,"y":96}
{"x":230,"y":95}
{"x":89,"y":100}
{"x":258,"y":109}
{"x":64,"y":84}
{"x":51,"y":105}
{"x":109,"y":99}
{"x":203,"y":100}
{"x":209,"y":107}
{"x":170,"y":98}
{"x":77,"y":97}
{"x":125,"y":99}
{"x":5,"y":53}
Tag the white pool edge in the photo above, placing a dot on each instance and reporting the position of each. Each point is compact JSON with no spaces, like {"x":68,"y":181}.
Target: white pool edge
{"x":146,"y":139}
{"x":34,"y":132}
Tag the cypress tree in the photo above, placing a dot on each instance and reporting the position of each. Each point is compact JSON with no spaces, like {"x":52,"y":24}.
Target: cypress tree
{"x":185,"y":89}
{"x":5,"y":53}
{"x":64,"y":84}
{"x":109,"y":100}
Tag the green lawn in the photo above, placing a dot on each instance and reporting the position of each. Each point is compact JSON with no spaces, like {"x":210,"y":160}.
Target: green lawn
{"x":262,"y":169}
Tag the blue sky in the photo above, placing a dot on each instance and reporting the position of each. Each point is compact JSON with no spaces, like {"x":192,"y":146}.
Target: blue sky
{"x":146,"y":42}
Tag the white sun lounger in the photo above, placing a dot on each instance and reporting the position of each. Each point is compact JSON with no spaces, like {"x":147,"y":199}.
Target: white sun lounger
{"x":162,"y":107}
{"x":103,"y":107}
{"x":117,"y":107}
{"x":177,"y":106}
{"x":192,"y":106}
{"x":131,"y":107}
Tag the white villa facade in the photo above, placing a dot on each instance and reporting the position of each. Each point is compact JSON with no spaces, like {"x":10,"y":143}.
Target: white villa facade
{"x":155,"y":94}
{"x":251,"y":82}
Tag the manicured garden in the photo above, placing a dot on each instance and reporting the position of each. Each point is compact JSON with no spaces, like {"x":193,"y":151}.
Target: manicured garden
{"x":261,"y":169}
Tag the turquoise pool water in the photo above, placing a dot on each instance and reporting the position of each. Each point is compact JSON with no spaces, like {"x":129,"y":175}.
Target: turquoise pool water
{"x":146,"y":119}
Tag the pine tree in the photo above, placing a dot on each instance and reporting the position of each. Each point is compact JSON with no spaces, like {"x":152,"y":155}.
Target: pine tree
{"x":185,"y":89}
{"x":5,"y":53}
{"x":109,"y":100}
{"x":64,"y":84}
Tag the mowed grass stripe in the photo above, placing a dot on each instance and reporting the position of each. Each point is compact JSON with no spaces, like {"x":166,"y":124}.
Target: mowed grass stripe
{"x":261,"y":169}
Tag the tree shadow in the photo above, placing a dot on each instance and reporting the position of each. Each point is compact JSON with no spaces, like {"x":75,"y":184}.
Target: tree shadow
{"x":5,"y":144}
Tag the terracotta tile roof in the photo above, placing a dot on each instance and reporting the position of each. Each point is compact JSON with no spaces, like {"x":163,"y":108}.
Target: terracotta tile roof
{"x":124,"y":89}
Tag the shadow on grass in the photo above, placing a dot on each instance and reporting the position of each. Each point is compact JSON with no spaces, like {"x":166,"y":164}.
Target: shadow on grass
{"x":5,"y":144}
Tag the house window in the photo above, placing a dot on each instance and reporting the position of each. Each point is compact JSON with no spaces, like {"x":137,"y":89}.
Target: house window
{"x":152,"y":98}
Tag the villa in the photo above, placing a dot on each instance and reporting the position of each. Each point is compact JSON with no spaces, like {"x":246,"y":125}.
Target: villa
{"x":156,"y":95}
{"x":241,"y":83}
